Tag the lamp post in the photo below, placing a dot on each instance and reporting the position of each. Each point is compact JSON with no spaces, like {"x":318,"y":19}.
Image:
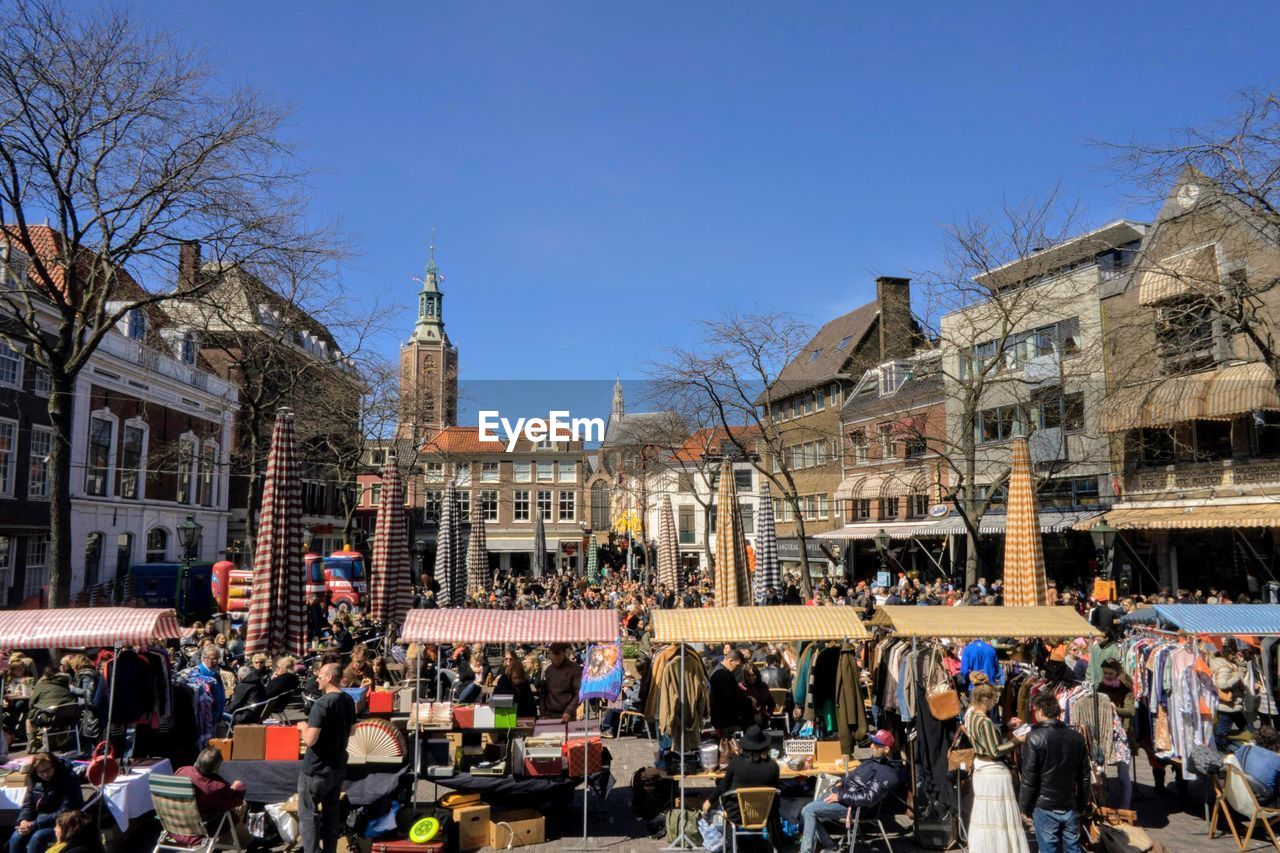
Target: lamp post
{"x":1104,"y":538}
{"x":882,"y":541}
{"x":420,"y":551}
{"x":188,"y":537}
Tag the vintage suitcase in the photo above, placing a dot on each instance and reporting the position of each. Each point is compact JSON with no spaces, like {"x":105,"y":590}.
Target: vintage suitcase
{"x":407,"y":847}
{"x":282,"y":743}
{"x":575,"y":753}
{"x":250,"y":742}
{"x":382,"y":702}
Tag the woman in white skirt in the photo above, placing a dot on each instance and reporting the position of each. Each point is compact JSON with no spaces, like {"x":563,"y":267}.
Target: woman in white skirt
{"x":995,"y":824}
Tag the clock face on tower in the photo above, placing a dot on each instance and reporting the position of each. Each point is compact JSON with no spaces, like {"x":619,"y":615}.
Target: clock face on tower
{"x":1188,"y":195}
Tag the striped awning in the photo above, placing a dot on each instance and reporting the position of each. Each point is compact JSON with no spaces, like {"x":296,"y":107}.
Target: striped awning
{"x":883,"y":484}
{"x":1210,"y":395}
{"x":86,"y":627}
{"x":1240,"y":388}
{"x":923,"y":528}
{"x":467,"y":625}
{"x":1178,"y":275}
{"x":782,"y":624}
{"x":968,"y":622}
{"x":1201,"y":517}
{"x":1213,"y":619}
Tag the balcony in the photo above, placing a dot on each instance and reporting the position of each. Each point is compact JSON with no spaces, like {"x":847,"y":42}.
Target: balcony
{"x":164,"y":364}
{"x":1242,"y":474}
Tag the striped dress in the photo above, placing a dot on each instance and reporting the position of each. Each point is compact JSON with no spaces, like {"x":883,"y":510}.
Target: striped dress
{"x":995,"y":824}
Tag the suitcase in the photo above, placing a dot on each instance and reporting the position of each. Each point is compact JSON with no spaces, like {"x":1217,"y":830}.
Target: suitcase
{"x":407,"y":847}
{"x":574,"y":754}
{"x":250,"y":742}
{"x":464,"y":716}
{"x":223,"y":745}
{"x":282,"y":743}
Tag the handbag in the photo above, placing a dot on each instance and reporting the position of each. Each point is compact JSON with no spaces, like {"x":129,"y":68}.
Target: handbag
{"x":103,"y":767}
{"x":944,"y":701}
{"x":957,"y":758}
{"x":729,"y":749}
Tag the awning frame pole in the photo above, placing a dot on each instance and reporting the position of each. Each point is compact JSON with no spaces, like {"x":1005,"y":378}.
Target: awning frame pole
{"x":682,"y":841}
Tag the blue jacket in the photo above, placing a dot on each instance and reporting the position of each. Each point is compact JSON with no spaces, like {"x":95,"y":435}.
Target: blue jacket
{"x":219,"y":692}
{"x":980,"y":656}
{"x":870,"y":782}
{"x":1262,"y":766}
{"x":46,"y":800}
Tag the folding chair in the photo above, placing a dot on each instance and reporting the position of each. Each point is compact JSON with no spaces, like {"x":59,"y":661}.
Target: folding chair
{"x":1235,"y":793}
{"x":174,"y":799}
{"x":754,"y":807}
{"x":779,"y":695}
{"x":870,"y":817}
{"x":635,"y":717}
{"x":44,"y":721}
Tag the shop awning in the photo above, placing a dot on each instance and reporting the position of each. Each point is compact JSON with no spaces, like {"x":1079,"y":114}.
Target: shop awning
{"x":459,"y":625}
{"x":968,"y":622}
{"x":789,"y":548}
{"x":883,"y":484}
{"x":510,"y":545}
{"x":1241,"y":388}
{"x":923,"y":528}
{"x":1209,"y":395}
{"x":1051,"y":521}
{"x":86,"y":627}
{"x":1202,"y":517}
{"x":1216,"y":619}
{"x":1178,"y":275}
{"x":782,"y":624}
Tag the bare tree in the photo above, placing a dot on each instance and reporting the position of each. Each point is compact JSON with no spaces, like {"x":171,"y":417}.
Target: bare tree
{"x":1020,"y":335}
{"x":117,"y":137}
{"x":729,"y":380}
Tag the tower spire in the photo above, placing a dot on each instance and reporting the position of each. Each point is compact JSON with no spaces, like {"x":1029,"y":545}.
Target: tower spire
{"x":431,"y":254}
{"x":617,"y":399}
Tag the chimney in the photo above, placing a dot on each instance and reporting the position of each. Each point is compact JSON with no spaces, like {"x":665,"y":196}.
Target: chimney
{"x":188,"y":266}
{"x":897,"y":329}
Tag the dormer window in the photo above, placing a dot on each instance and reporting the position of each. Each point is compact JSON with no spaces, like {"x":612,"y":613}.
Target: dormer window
{"x":136,"y":324}
{"x":13,"y":268}
{"x":189,"y":348}
{"x":815,"y":355}
{"x":892,"y":375}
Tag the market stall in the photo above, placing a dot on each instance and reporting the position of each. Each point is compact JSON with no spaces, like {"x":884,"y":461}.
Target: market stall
{"x":961,"y":623}
{"x":536,"y":760}
{"x":125,"y":796}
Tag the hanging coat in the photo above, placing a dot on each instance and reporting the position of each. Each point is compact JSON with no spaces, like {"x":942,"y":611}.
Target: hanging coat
{"x":851,"y":713}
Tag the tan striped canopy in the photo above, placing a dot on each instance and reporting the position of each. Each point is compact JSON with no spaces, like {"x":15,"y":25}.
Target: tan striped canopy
{"x":789,"y":623}
{"x":964,"y":623}
{"x":1219,"y":394}
{"x":1204,"y":517}
{"x":733,"y":588}
{"x":1025,"y":584}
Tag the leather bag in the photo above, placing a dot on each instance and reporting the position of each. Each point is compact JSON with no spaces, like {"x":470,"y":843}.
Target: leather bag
{"x":944,"y":701}
{"x":957,"y":757}
{"x":729,"y":748}
{"x":103,"y":767}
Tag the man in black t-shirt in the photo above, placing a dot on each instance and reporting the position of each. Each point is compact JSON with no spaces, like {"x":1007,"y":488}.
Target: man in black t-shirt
{"x":324,"y":767}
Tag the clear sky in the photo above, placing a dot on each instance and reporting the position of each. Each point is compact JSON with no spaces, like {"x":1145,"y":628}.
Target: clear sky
{"x":602,"y":174}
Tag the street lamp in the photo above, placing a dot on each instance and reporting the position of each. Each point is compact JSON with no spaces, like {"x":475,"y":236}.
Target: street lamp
{"x":1104,"y":538}
{"x":420,"y":550}
{"x":306,"y":539}
{"x":188,"y":537}
{"x":882,"y":541}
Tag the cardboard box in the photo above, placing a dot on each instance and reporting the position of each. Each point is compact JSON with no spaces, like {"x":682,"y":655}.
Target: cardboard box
{"x":826,"y":752}
{"x":250,"y":742}
{"x":473,"y":826}
{"x":382,"y":702}
{"x":484,"y":717}
{"x":223,"y":745}
{"x":518,"y":828}
{"x":283,"y":743}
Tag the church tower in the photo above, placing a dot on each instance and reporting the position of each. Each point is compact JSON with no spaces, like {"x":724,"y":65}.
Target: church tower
{"x":428,"y":365}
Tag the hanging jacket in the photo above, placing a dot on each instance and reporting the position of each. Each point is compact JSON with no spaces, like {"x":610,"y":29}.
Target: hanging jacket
{"x":851,"y":712}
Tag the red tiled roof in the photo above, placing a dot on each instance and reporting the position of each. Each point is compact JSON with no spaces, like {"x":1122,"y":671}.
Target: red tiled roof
{"x":465,"y":441}
{"x":708,"y":441}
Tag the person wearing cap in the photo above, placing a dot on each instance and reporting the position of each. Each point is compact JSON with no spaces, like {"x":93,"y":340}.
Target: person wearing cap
{"x":753,"y":768}
{"x":559,"y":686}
{"x":866,"y":785}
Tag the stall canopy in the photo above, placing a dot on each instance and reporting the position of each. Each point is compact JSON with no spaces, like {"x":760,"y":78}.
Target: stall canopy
{"x":785,"y":623}
{"x":1202,"y":517}
{"x":537,"y":627}
{"x":967,"y":622}
{"x":1219,"y":619}
{"x":84,"y":627}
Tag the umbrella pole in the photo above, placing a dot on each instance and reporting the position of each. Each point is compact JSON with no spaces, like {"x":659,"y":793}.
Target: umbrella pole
{"x":586,"y":786}
{"x":111,"y":707}
{"x":682,"y":842}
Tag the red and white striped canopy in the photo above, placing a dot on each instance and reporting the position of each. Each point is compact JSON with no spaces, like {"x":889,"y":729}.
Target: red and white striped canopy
{"x":276,"y":610}
{"x":456,"y":625}
{"x":86,"y":627}
{"x":390,"y":585}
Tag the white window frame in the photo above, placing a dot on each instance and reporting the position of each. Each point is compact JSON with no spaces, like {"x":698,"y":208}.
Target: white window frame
{"x":42,"y":494}
{"x":207,"y":466}
{"x":36,"y":562}
{"x":490,"y":472}
{"x":139,"y":424}
{"x":572,"y":503}
{"x":489,"y":503}
{"x":193,"y":469}
{"x":108,"y":476}
{"x":5,"y":352}
{"x":518,"y":497}
{"x":433,"y":472}
{"x":41,"y":381}
{"x":519,"y":466}
{"x":544,"y":467}
{"x":547,"y":510}
{"x":146,"y":544}
{"x":568,"y":472}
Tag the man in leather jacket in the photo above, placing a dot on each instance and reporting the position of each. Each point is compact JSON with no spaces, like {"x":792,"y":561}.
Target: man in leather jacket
{"x":866,"y":785}
{"x":1055,"y":778}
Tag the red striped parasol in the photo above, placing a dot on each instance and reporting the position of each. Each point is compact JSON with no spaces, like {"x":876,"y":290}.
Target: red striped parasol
{"x":389,"y":584}
{"x":276,"y":624}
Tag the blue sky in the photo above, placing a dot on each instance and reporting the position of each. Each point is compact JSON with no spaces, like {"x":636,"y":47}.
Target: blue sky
{"x":601,"y":174}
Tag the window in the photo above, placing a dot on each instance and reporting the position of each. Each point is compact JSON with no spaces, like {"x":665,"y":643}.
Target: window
{"x":1184,"y":336}
{"x":10,"y":366}
{"x":914,"y":447}
{"x":37,"y":576}
{"x":375,"y":494}
{"x":6,"y":567}
{"x":520,"y":504}
{"x":568,"y":506}
{"x":186,"y":463}
{"x":100,"y":439}
{"x":92,"y":559}
{"x":782,"y":510}
{"x":489,"y":504}
{"x":713,"y":516}
{"x":819,"y":400}
{"x":431,"y":505}
{"x":40,"y":382}
{"x":806,"y":403}
{"x":1053,"y":409}
{"x":488,"y":472}
{"x":157,"y":545}
{"x":999,"y":424}
{"x":544,"y":504}
{"x":1266,"y":433}
{"x":815,"y":355}
{"x":975,"y":361}
{"x":815,"y":506}
{"x":685,"y":524}
{"x":205,"y":483}
{"x":189,"y":348}
{"x":124,"y":553}
{"x":377,"y":457}
{"x":434,"y":472}
{"x":545,"y":472}
{"x":462,"y":473}
{"x":464,"y":504}
{"x":917,"y":506}
{"x":523,"y":472}
{"x":38,"y":466}
{"x":858,"y":441}
{"x":1212,"y":440}
{"x":888,"y":508}
{"x":862,"y":509}
{"x":131,"y":461}
{"x":743,"y":479}
{"x":600,"y":506}
{"x":888,"y":447}
{"x":568,"y":472}
{"x":748,"y":515}
{"x":136,"y":324}
{"x":545,"y":444}
{"x":844,"y":342}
